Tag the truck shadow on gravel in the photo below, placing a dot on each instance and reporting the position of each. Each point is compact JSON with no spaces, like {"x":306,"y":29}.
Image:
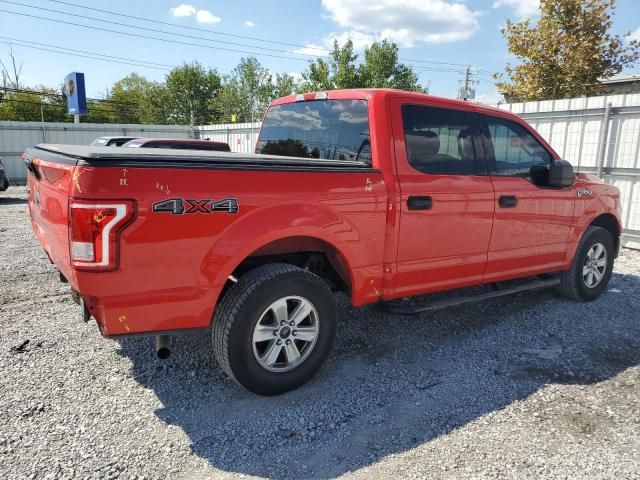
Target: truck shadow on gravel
{"x":393,"y":383}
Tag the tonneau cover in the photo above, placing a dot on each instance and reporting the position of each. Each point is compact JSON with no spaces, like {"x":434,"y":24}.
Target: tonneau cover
{"x":106,"y":155}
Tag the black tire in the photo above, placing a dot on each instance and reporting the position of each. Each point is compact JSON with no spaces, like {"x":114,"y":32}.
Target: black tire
{"x":572,"y":281}
{"x":240,"y":310}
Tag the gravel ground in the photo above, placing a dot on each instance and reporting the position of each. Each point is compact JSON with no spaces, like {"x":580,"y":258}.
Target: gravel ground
{"x":529,"y":386}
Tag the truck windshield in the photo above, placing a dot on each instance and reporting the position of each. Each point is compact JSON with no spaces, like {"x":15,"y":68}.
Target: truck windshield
{"x":323,"y":129}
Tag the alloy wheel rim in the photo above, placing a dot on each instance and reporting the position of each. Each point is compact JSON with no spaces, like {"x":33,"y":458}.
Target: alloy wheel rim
{"x":595,"y":265}
{"x":285,"y":334}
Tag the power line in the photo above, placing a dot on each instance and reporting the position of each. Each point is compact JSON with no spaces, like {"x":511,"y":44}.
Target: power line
{"x":112,"y":106}
{"x":155,"y":30}
{"x":212,"y":32}
{"x":152,"y":65}
{"x":129,"y":34}
{"x":138,"y":64}
{"x":244,"y":37}
{"x":204,"y":30}
{"x":136,"y":61}
{"x":43,"y":104}
{"x":59,"y":95}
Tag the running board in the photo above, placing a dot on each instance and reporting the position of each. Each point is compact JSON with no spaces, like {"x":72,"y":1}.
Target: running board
{"x":412,"y":307}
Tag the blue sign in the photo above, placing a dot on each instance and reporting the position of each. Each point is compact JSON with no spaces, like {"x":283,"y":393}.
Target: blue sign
{"x":76,"y":96}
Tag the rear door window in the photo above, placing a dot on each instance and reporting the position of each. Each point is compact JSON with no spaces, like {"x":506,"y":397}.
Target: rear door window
{"x":439,"y":140}
{"x":322,"y":129}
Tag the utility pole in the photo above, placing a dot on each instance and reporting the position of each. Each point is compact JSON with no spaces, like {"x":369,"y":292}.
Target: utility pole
{"x":465,"y":92}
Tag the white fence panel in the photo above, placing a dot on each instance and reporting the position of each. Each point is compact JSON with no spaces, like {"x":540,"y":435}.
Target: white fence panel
{"x":575,"y":129}
{"x":241,"y":137}
{"x":15,"y":137}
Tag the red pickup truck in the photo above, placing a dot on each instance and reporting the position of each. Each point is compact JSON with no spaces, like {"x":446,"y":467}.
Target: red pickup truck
{"x":384,"y":195}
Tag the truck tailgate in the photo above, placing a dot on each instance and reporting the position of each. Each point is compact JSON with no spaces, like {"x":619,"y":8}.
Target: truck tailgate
{"x":48,"y":187}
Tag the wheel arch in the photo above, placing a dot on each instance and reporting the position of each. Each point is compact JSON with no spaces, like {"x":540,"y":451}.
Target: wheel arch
{"x":610,"y":223}
{"x":308,"y":251}
{"x":303,"y":251}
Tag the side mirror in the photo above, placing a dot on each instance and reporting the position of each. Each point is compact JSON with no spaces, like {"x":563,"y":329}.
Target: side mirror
{"x":561,"y":174}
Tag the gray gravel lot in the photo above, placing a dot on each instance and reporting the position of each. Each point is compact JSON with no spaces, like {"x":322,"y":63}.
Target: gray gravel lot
{"x":529,"y":386}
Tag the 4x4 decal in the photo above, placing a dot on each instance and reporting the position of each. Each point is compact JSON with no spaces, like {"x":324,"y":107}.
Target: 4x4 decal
{"x":179,"y":206}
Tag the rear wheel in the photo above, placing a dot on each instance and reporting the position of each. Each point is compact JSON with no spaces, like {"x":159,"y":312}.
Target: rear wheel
{"x":592,"y":265}
{"x":274,"y":328}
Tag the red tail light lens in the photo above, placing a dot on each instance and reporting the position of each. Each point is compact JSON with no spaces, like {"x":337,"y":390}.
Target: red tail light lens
{"x":94,"y":230}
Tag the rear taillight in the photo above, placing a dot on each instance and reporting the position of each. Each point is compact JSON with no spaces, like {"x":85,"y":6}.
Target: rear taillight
{"x":94,"y":230}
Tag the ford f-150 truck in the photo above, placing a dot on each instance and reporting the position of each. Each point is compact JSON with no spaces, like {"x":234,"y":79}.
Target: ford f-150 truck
{"x":385,"y":195}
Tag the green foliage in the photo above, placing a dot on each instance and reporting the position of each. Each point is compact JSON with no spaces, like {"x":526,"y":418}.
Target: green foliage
{"x":246,"y":93}
{"x":26,"y":105}
{"x":380,"y":68}
{"x":318,"y":77}
{"x":566,"y":53}
{"x":132,"y":100}
{"x":284,"y":85}
{"x":189,"y":90}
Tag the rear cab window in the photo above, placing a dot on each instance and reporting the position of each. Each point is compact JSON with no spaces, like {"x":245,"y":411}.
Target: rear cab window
{"x":319,"y":129}
{"x":439,"y":141}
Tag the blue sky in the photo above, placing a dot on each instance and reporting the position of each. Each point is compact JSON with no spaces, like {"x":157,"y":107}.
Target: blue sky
{"x":446,"y":31}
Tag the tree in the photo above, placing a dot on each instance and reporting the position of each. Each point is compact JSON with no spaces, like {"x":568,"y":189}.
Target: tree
{"x":317,"y":77}
{"x":339,"y":71}
{"x":380,"y":68}
{"x":247,"y":92}
{"x":133,"y":99}
{"x":342,"y":62}
{"x":189,"y":91}
{"x":284,"y":85}
{"x":11,"y":74}
{"x":566,"y":53}
{"x":26,"y":105}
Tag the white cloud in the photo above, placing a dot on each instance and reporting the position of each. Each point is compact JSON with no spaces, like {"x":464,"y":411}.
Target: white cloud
{"x":522,"y":8}
{"x":205,"y":16}
{"x":248,"y":24}
{"x":202,"y":16}
{"x":312,"y":49}
{"x":635,"y":35}
{"x":360,"y":40}
{"x":406,"y":22}
{"x":183,"y":10}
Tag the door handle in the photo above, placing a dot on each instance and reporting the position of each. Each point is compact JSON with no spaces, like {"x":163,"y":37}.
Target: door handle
{"x":419,"y":203}
{"x":508,"y":201}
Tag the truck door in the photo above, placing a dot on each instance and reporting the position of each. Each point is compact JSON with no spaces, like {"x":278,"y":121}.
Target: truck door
{"x":532,"y":221}
{"x":446,"y":200}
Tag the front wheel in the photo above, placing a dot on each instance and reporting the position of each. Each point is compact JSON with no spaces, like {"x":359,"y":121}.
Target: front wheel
{"x":592,"y":265}
{"x":274,"y":328}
